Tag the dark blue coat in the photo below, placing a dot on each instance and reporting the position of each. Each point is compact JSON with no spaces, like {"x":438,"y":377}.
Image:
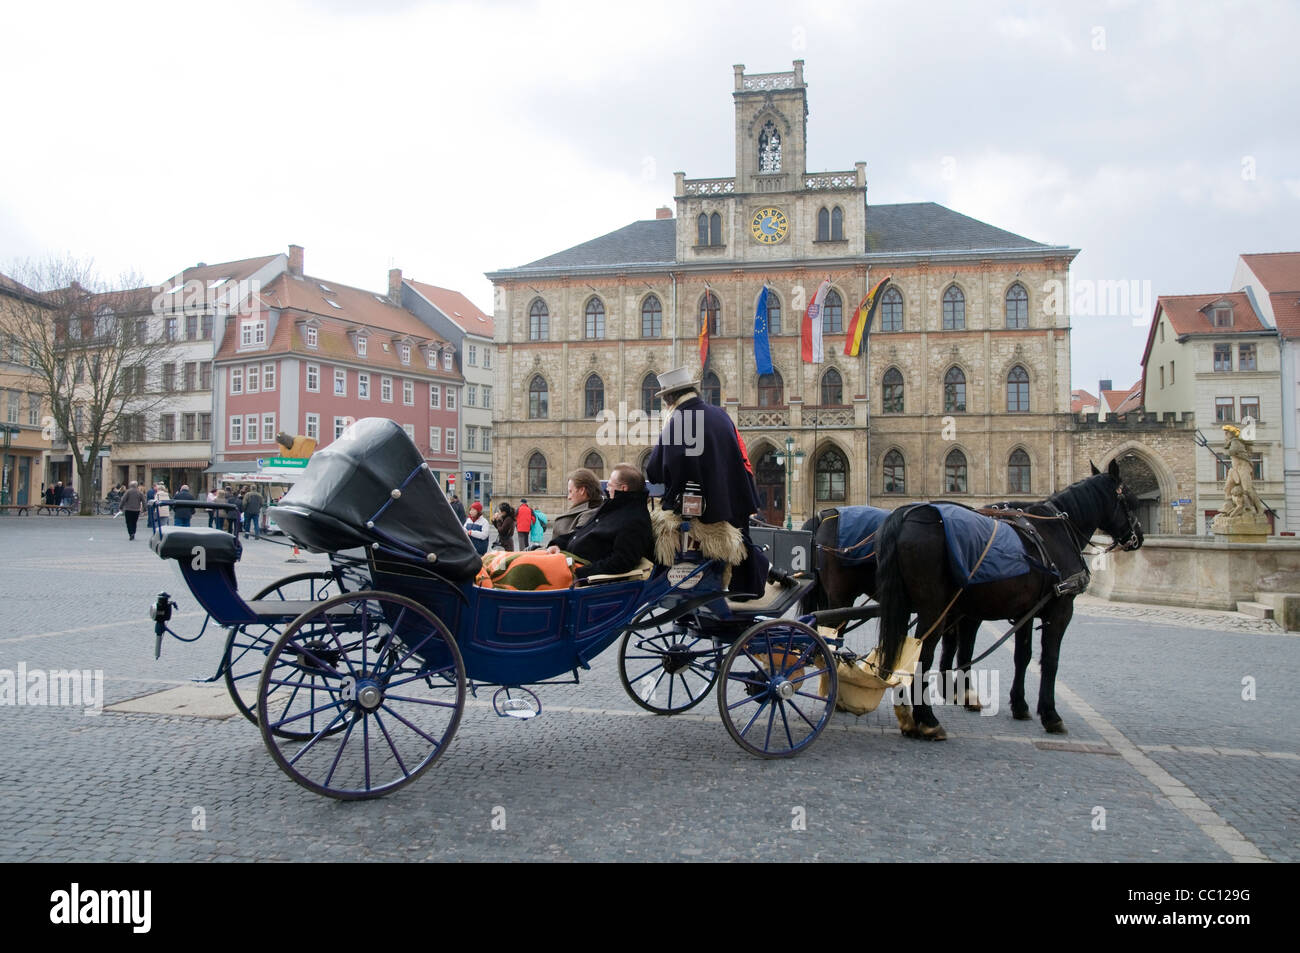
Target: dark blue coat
{"x":714,"y":462}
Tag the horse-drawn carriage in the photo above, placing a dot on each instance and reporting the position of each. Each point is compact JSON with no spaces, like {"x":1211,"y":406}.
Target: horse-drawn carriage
{"x":358,"y":676}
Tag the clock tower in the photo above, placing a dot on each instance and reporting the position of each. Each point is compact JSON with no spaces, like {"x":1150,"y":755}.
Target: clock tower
{"x":773,"y":209}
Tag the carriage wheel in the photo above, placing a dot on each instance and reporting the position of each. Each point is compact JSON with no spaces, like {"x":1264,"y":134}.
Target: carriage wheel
{"x":389,"y":693}
{"x":778,"y":688}
{"x":247,"y":646}
{"x":666,"y":669}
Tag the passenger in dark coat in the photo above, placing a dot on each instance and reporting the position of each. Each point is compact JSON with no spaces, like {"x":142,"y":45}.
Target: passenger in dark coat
{"x":619,"y":535}
{"x":700,"y":445}
{"x":182,"y":514}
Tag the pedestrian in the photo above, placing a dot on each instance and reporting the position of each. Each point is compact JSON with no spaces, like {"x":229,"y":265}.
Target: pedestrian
{"x":253,"y":513}
{"x":523,"y":523}
{"x":505,"y":526}
{"x":234,"y":517}
{"x":132,"y":503}
{"x":151,"y":513}
{"x":164,"y":513}
{"x":457,"y":508}
{"x":212,"y":514}
{"x":476,"y":527}
{"x":538,"y":531}
{"x":183,"y":513}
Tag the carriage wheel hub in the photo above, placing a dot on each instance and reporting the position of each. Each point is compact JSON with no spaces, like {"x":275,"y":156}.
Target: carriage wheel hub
{"x":785,"y":689}
{"x":677,"y":658}
{"x":370,"y":697}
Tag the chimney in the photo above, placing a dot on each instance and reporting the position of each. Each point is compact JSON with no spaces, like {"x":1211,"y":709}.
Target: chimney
{"x":395,"y":285}
{"x":295,"y":260}
{"x":663,"y":211}
{"x":1105,"y":385}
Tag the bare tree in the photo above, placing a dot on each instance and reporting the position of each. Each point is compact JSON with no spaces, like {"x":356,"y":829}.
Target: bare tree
{"x":94,"y":349}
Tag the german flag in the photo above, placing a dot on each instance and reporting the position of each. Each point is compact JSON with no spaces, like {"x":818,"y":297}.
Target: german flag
{"x":860,"y":327}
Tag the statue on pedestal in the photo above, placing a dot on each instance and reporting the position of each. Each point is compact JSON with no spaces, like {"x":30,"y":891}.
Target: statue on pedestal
{"x":1243,"y":512}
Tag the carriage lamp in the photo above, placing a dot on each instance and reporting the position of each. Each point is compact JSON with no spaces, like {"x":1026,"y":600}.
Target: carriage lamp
{"x":161,"y":613}
{"x":794,"y":457}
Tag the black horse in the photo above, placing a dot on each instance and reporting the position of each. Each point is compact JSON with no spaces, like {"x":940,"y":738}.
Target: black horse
{"x":914,"y":576}
{"x":844,"y":574}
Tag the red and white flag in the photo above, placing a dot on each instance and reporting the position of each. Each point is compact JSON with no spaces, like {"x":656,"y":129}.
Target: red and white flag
{"x":811,"y":336}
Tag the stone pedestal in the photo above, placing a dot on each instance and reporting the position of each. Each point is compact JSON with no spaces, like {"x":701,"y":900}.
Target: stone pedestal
{"x":1243,"y":528}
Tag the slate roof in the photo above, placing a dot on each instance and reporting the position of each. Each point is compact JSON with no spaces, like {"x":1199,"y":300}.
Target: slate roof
{"x":928,"y":226}
{"x":458,"y":309}
{"x":909,"y":227}
{"x":1188,"y":314}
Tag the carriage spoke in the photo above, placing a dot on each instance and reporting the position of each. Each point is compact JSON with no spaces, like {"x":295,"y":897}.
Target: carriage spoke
{"x":753,"y":718}
{"x":433,"y":741}
{"x":314,"y":738}
{"x":308,"y":713}
{"x":417,"y":676}
{"x":798,"y":711}
{"x":785,"y":721}
{"x":392,"y":747}
{"x":338,"y":754}
{"x":419,"y":701}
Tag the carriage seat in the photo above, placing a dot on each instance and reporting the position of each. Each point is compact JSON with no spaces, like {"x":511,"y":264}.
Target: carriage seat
{"x":776,"y":598}
{"x":640,"y":573}
{"x":179,"y":543}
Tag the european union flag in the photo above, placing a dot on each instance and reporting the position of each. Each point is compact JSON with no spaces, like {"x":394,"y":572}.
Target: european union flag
{"x":762,"y":349}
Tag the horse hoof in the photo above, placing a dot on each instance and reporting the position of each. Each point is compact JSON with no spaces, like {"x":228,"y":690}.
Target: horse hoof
{"x":1020,"y":714}
{"x":1055,"y":727}
{"x":972,"y":702}
{"x":931,"y":733}
{"x":906,"y":723}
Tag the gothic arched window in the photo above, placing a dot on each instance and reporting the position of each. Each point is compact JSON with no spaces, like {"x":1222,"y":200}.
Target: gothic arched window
{"x":771,"y":390}
{"x":1018,"y":390}
{"x":895,"y":473}
{"x":595,"y":463}
{"x":537,"y":398}
{"x":1017,"y":306}
{"x":649,"y":387}
{"x":832,"y":388}
{"x":1018,"y":472}
{"x":715,"y":229}
{"x":773,"y":312}
{"x":652,"y":318}
{"x":833,"y":313}
{"x":891,"y":310}
{"x":595,"y":318}
{"x":823,"y":225}
{"x":769,"y":148}
{"x":832,"y":475}
{"x":709,"y":309}
{"x":837,"y":224}
{"x":702,"y":229}
{"x":954,"y":472}
{"x":954,"y":309}
{"x":539,"y":321}
{"x":954,"y":391}
{"x":891,"y":397}
{"x":593,"y":396}
{"x":711,"y":389}
{"x":537,"y":473}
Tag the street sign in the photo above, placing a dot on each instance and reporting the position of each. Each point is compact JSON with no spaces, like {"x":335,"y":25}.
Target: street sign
{"x":469,"y":476}
{"x":283,"y":463}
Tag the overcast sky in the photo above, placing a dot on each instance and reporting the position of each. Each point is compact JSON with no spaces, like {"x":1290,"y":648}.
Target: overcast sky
{"x":451,"y":139}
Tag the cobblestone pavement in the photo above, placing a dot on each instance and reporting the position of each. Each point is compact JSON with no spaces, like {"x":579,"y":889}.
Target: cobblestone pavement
{"x":1164,"y":750}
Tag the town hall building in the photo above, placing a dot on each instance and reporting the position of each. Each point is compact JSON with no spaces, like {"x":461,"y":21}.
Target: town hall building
{"x":963,"y":392}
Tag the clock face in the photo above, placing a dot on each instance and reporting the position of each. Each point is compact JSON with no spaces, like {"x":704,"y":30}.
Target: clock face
{"x":769,"y":225}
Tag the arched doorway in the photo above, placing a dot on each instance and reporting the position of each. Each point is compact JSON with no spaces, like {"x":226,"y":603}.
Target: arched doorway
{"x":1156,"y":489}
{"x":770,"y":478}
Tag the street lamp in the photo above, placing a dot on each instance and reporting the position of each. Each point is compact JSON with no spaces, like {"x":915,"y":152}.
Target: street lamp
{"x":6,"y":430}
{"x":794,"y":457}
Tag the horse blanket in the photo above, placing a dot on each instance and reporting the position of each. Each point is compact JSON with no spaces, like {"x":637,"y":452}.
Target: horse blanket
{"x":857,"y":533}
{"x":968,"y":534}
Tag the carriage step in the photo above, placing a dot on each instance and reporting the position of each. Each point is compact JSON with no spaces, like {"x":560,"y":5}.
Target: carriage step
{"x":1256,"y":610}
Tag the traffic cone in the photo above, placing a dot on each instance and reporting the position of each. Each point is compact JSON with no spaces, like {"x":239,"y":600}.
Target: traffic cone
{"x":295,"y":558}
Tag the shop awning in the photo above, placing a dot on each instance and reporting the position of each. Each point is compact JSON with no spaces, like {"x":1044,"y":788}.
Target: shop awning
{"x":233,"y":466}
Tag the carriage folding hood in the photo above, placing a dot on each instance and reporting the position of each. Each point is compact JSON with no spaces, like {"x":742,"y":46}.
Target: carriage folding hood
{"x":372,"y":486}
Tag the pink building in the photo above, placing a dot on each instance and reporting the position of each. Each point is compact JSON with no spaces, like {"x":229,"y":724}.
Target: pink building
{"x":312,"y":355}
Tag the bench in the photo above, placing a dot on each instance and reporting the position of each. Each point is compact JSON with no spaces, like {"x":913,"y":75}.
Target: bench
{"x":19,"y":509}
{"x":58,"y":509}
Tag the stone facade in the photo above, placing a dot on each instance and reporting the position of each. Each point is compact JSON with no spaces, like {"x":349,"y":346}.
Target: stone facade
{"x":930,"y":252}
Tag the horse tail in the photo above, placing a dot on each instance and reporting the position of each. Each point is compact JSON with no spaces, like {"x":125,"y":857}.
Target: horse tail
{"x":814,"y":599}
{"x":891,"y":589}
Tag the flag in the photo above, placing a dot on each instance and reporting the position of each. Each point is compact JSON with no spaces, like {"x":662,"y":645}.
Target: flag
{"x":709,"y":310}
{"x":812,"y":326}
{"x":762,"y":347}
{"x":860,"y":327}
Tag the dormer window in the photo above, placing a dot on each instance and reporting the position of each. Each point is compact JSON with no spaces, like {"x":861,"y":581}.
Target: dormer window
{"x":431,"y":358}
{"x":404,"y":351}
{"x":1223,"y":317}
{"x":252,"y":333}
{"x":309,"y":336}
{"x":446,"y":360}
{"x":361,"y":345}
